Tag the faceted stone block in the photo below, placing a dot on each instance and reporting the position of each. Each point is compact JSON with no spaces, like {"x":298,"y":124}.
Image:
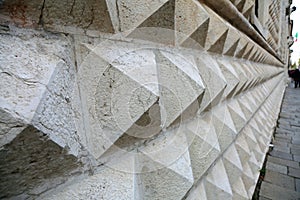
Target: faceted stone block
{"x":77,"y":17}
{"x":25,"y":13}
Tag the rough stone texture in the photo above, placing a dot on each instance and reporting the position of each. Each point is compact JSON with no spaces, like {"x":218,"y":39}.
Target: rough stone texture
{"x":271,"y":191}
{"x":294,"y":172}
{"x":180,"y":104}
{"x":31,"y":164}
{"x":283,"y":155}
{"x":26,"y":68}
{"x":276,"y":168}
{"x":131,"y":18}
{"x":24,"y":13}
{"x":281,"y":180}
{"x":77,"y":16}
{"x":105,"y":184}
{"x":284,"y":162}
{"x":10,"y":127}
{"x":296,"y":158}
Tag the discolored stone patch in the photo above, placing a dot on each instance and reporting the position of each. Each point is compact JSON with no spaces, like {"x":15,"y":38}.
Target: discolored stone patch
{"x":23,"y":13}
{"x":32,"y":164}
{"x":77,"y":16}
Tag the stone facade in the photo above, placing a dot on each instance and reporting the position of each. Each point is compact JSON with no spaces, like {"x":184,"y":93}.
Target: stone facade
{"x":127,"y":99}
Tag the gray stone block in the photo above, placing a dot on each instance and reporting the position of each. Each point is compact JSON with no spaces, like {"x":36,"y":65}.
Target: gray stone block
{"x":281,"y":161}
{"x":281,"y":180}
{"x":276,"y":167}
{"x":280,"y":154}
{"x":286,"y":115}
{"x":280,"y":143}
{"x":297,"y":180}
{"x":34,"y":168}
{"x":295,"y":141}
{"x":295,"y":123}
{"x":296,"y":158}
{"x":295,"y":150}
{"x":282,"y":148}
{"x":286,"y":140}
{"x":283,"y":136}
{"x":295,"y":128}
{"x":275,"y":192}
{"x":284,"y":121}
{"x":294,"y":145}
{"x":284,"y":130}
{"x":263,"y":198}
{"x":294,"y":172}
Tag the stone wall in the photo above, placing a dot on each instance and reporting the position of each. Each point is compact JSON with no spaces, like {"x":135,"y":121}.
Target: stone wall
{"x":126,"y":99}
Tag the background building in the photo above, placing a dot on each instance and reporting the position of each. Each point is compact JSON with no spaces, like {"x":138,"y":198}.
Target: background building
{"x":127,"y":99}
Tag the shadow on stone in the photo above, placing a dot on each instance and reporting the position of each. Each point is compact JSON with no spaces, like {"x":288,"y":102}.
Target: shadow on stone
{"x":32,"y":164}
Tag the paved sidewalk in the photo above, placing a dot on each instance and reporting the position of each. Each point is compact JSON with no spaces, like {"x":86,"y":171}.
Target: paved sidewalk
{"x":282,"y":178}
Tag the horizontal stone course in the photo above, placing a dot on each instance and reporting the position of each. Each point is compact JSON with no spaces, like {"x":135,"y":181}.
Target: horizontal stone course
{"x":275,"y":192}
{"x":296,"y":158}
{"x":284,"y":149}
{"x":286,"y":137}
{"x":280,"y":179}
{"x":276,"y":167}
{"x":295,"y":150}
{"x":296,"y":141}
{"x":294,"y":172}
{"x":283,"y":162}
{"x":280,"y":154}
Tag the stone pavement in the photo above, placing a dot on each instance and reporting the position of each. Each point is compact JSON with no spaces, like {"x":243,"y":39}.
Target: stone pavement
{"x":282,"y":174}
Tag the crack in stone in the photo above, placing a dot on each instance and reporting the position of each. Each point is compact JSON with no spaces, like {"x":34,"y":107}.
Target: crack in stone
{"x":26,"y":81}
{"x":72,"y":8}
{"x":41,"y":15}
{"x":118,"y":15}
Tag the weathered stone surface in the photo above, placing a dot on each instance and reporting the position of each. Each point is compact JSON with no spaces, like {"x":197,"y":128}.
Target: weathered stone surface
{"x":276,"y":168}
{"x":180,"y":105}
{"x":32,"y":164}
{"x":276,"y":192}
{"x":132,"y":92}
{"x":217,"y":183}
{"x":296,"y":141}
{"x":294,"y":172}
{"x":77,"y":16}
{"x":25,"y":13}
{"x":189,"y":17}
{"x":206,"y":138}
{"x":263,"y":198}
{"x":280,"y":154}
{"x":133,"y":13}
{"x":296,"y":158}
{"x":10,"y":127}
{"x":283,"y":136}
{"x":106,"y":184}
{"x":283,"y":162}
{"x":297,"y":184}
{"x":159,"y":184}
{"x":27,"y":67}
{"x":279,"y":179}
{"x":198,"y":193}
{"x":282,"y":149}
